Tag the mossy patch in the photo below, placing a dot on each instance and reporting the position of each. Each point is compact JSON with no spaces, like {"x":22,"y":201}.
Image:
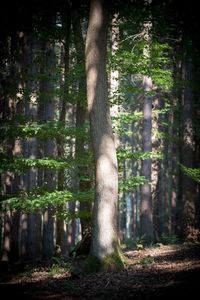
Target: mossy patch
{"x":114,"y":261}
{"x":108,"y":263}
{"x":92,"y":264}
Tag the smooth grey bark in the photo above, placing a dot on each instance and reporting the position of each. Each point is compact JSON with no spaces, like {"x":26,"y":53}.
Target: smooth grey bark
{"x":104,"y":226}
{"x":146,"y":221}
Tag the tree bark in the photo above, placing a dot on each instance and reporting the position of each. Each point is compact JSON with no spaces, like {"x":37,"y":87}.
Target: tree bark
{"x":104,"y":226}
{"x":146,"y":200}
{"x":46,"y":113}
{"x":189,"y":186}
{"x":65,"y":59}
{"x":6,"y":253}
{"x":81,"y":114}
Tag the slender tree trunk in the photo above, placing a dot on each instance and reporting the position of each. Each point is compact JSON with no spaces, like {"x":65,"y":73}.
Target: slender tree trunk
{"x":66,"y":20}
{"x":146,"y":216}
{"x":46,"y":111}
{"x":15,"y":236}
{"x":189,"y":186}
{"x":31,"y":85}
{"x":49,"y":147}
{"x":6,"y":255}
{"x":146,"y":200}
{"x":105,"y":228}
{"x":156,"y":169}
{"x":23,"y":236}
{"x":17,"y":181}
{"x":81,"y":113}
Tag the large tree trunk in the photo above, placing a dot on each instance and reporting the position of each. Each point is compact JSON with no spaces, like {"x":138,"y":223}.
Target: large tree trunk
{"x":105,"y":228}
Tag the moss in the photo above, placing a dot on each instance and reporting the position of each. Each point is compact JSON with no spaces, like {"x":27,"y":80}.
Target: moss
{"x":92,"y":264}
{"x":113,"y":261}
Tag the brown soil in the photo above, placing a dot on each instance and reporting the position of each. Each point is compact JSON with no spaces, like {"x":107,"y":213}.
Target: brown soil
{"x":153,"y":273}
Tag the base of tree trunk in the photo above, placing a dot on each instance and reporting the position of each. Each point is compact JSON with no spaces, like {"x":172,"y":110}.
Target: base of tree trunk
{"x":113,"y":261}
{"x":92,"y":264}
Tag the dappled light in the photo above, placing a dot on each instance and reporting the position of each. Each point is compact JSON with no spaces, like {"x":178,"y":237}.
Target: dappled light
{"x":99,"y":149}
{"x":154,"y":272}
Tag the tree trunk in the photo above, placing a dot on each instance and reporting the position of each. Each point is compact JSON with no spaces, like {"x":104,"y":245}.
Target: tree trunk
{"x":15,"y":236}
{"x":7,"y":236}
{"x":189,"y":186}
{"x":46,"y":112}
{"x":66,"y":22}
{"x":31,"y":84}
{"x":104,"y":227}
{"x":23,"y":236}
{"x":81,"y":113}
{"x":49,"y":147}
{"x":157,"y":174}
{"x":146,"y":200}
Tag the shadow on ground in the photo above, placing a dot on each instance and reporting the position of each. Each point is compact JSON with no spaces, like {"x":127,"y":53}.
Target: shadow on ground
{"x":168,"y":273}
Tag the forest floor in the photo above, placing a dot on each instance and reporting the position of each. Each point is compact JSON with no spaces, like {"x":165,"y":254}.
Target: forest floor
{"x":153,"y":273}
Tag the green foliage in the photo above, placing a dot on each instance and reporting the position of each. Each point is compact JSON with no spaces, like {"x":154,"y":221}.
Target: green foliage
{"x":21,"y":165}
{"x":114,"y":261}
{"x":193,"y":173}
{"x":169,"y":240}
{"x":161,"y":70}
{"x":131,"y":59}
{"x":129,"y":243}
{"x":59,"y":266}
{"x":55,"y":199}
{"x":130,"y":184}
{"x":55,"y":270}
{"x":127,"y":154}
{"x":147,"y":261}
{"x":123,"y":119}
{"x":46,"y":130}
{"x":127,"y":117}
{"x":137,"y":243}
